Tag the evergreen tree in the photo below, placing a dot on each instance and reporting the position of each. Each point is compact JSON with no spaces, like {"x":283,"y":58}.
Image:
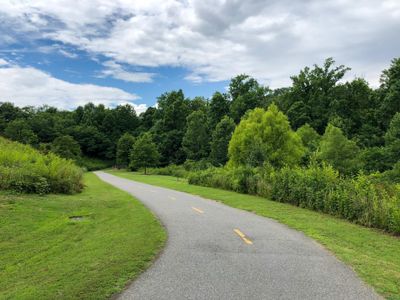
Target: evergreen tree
{"x":144,"y":153}
{"x":196,"y":139}
{"x":124,"y":148}
{"x":220,"y":141}
{"x":265,"y":136}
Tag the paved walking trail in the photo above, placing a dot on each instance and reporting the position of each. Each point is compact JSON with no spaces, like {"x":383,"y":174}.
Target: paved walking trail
{"x":218,"y":252}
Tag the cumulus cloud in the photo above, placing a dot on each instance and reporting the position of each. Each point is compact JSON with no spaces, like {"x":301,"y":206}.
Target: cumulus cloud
{"x":27,"y":86}
{"x":215,"y":40}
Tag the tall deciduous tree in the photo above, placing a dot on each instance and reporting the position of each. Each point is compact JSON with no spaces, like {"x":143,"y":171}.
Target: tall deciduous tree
{"x":19,"y":130}
{"x":65,"y":146}
{"x":338,"y":151}
{"x":312,"y":93}
{"x":144,"y":153}
{"x":196,"y":139}
{"x":220,"y":141}
{"x":265,"y":136}
{"x":219,"y":107}
{"x":124,"y":148}
{"x":246,"y":93}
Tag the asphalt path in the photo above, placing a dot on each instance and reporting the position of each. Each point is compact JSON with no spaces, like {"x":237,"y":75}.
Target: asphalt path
{"x":218,"y":252}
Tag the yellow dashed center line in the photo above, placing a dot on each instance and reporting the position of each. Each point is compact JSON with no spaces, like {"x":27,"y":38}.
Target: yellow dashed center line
{"x":243,"y":236}
{"x":198,"y":210}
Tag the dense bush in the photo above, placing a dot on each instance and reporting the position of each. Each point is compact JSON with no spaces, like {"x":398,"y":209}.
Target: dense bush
{"x":170,"y":170}
{"x":361,"y":199}
{"x":183,"y":170}
{"x":93,"y":164}
{"x":24,"y":169}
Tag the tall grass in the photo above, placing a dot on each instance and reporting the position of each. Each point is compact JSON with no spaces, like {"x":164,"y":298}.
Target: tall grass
{"x":24,"y":169}
{"x":361,"y":199}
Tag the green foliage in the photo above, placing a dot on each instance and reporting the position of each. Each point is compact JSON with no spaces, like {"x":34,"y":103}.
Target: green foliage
{"x":337,"y":150}
{"x":170,"y":126}
{"x":392,"y":139}
{"x":221,"y":136}
{"x":322,"y":189}
{"x":94,"y":164}
{"x":65,"y":146}
{"x":19,"y":130}
{"x":310,"y":139}
{"x":246,"y":94}
{"x":375,"y":159}
{"x":24,"y":169}
{"x":390,"y":93}
{"x":265,"y":136}
{"x":319,"y":188}
{"x":196,"y":139}
{"x":312,"y":93}
{"x":144,"y":153}
{"x":219,"y":107}
{"x":124,"y":148}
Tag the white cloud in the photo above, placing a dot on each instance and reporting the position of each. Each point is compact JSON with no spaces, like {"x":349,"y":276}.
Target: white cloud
{"x":216,"y":40}
{"x":27,"y":86}
{"x":116,"y":71}
{"x":3,"y":62}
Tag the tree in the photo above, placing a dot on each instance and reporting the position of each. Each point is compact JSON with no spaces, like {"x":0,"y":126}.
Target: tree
{"x":265,"y":136}
{"x":196,"y":140}
{"x":310,"y":139}
{"x":338,"y":151}
{"x":246,"y":93}
{"x":19,"y":130}
{"x":220,"y":141}
{"x":65,"y":146}
{"x":144,"y":153}
{"x":124,"y":148}
{"x":219,"y":107}
{"x":392,"y":139}
{"x":170,"y":128}
{"x":312,"y":94}
{"x":390,"y":93}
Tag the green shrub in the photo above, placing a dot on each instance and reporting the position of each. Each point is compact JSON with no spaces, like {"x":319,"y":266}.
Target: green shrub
{"x":24,"y":169}
{"x":171,"y":170}
{"x":93,"y":164}
{"x":362,"y":199}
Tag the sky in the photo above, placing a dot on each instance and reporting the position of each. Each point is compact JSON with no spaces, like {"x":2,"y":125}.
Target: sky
{"x":65,"y":53}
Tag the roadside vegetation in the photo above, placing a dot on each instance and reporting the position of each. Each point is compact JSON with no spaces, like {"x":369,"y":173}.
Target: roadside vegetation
{"x":24,"y":169}
{"x":374,"y":255}
{"x":81,"y":246}
{"x":321,"y":143}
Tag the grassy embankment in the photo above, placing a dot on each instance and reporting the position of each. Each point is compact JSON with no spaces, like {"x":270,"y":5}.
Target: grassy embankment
{"x":374,"y":255}
{"x":44,"y":254}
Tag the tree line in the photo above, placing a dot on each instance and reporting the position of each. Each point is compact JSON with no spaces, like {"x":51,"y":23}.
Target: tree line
{"x":350,"y":125}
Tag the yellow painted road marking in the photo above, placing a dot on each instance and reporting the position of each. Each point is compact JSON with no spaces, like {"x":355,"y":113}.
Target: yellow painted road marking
{"x":243,"y":236}
{"x":198,"y":210}
{"x":172,"y":198}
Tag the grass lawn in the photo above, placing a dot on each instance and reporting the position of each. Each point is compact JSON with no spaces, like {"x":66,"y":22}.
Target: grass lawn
{"x":46,"y":255}
{"x":374,"y":255}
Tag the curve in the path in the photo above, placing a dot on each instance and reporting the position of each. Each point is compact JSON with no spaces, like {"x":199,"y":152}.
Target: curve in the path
{"x":218,"y":252}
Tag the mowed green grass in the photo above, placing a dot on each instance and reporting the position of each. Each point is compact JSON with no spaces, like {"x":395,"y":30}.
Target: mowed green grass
{"x":46,"y":255}
{"x":374,"y":255}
